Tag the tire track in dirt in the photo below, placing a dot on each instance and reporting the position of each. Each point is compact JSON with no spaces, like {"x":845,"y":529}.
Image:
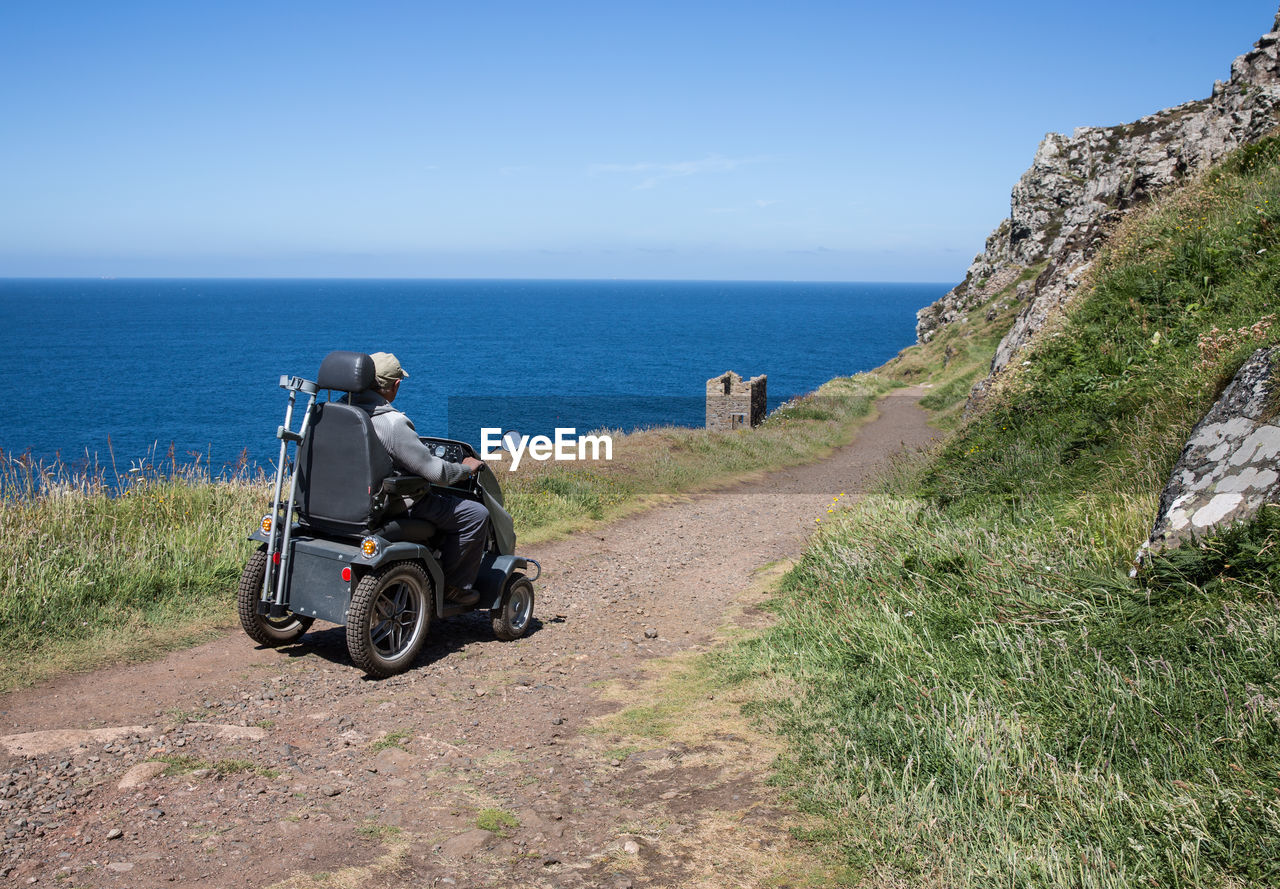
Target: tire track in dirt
{"x":485,"y":765}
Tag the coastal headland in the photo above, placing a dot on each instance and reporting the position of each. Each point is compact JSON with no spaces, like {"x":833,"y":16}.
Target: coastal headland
{"x":857,"y":646}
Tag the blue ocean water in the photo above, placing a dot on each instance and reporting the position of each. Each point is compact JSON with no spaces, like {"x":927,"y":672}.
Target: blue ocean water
{"x":120,"y":369}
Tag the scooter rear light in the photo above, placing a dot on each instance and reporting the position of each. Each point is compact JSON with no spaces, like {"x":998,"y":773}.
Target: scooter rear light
{"x":346,"y":574}
{"x":266,"y":524}
{"x":275,"y":558}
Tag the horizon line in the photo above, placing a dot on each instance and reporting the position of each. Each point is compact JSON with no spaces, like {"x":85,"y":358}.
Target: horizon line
{"x":457,"y":278}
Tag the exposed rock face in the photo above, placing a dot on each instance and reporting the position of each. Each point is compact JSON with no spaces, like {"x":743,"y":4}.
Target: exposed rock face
{"x":1078,"y":187}
{"x":992,"y":270}
{"x":1231,"y":464}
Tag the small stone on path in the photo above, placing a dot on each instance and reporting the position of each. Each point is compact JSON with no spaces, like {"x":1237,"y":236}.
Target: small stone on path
{"x":465,"y":844}
{"x":141,"y":774}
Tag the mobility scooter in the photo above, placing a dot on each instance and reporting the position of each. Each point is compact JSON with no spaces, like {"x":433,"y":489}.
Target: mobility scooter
{"x":333,"y":549}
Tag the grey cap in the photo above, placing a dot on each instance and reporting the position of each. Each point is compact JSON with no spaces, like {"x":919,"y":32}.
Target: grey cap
{"x":388,"y":369}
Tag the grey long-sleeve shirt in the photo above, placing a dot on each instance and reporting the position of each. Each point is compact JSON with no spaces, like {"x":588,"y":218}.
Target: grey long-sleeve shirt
{"x":396,"y":432}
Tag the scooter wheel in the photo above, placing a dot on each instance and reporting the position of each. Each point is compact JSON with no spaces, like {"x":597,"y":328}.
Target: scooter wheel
{"x":512,"y":618}
{"x":262,"y":629}
{"x":388,"y":619}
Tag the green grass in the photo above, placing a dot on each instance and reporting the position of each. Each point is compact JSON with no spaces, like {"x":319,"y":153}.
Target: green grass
{"x":497,"y":821}
{"x":647,"y":721}
{"x":619,"y":753}
{"x":182,"y":764}
{"x":959,"y":354}
{"x":372,"y":830}
{"x":90,"y":577}
{"x":394,"y":739}
{"x":985,"y":704}
{"x":976,"y":692}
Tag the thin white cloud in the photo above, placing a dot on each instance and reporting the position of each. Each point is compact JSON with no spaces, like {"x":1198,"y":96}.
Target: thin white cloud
{"x":744,"y":208}
{"x":655,"y":173}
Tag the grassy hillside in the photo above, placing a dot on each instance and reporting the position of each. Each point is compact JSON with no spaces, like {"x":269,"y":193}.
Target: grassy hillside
{"x":91,"y":577}
{"x":977,"y":693}
{"x":959,"y":354}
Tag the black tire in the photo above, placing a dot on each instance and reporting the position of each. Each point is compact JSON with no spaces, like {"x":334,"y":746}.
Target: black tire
{"x":513,"y":617}
{"x":262,"y":629}
{"x":388,"y":619}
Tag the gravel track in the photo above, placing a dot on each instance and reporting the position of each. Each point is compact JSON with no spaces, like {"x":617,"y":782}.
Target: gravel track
{"x":295,"y":769}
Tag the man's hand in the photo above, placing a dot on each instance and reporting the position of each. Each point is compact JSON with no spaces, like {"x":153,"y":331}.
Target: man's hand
{"x":473,"y":464}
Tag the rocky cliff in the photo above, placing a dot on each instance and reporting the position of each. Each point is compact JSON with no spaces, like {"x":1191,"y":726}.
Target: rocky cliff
{"x":1079,"y":186}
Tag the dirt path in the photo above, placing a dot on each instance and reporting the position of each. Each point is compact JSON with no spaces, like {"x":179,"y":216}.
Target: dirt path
{"x":487,"y":765}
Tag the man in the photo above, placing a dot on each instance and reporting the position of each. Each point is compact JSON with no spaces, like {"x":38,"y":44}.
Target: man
{"x":464,"y":521}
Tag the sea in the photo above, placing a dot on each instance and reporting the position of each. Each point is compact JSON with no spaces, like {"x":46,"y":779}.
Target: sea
{"x":129,"y":373}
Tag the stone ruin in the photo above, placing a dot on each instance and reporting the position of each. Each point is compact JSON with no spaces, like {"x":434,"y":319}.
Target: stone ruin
{"x":733,"y":403}
{"x":1230,"y":466}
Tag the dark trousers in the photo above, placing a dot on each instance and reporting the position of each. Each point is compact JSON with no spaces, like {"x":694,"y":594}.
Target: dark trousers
{"x":465,"y":523}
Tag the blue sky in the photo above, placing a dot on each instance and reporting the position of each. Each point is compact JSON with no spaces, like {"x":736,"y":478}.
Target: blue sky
{"x":771,"y":141}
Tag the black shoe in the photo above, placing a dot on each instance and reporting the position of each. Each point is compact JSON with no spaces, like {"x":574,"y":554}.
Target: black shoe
{"x":466,"y":598}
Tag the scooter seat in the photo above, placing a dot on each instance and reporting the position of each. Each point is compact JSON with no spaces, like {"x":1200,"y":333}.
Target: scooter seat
{"x":414,"y":530}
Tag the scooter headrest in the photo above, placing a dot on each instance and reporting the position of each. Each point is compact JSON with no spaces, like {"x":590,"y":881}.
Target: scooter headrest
{"x":346,"y":372}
